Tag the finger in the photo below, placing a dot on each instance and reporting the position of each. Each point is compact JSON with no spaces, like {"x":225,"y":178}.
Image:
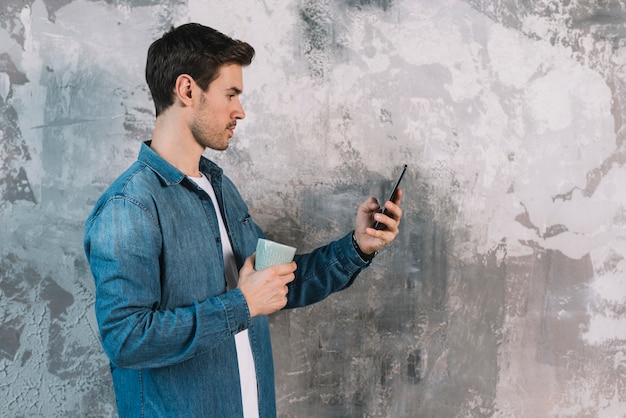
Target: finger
{"x":286,"y":279}
{"x":390,"y":219}
{"x":398,"y":197}
{"x":393,"y":211}
{"x":390,"y":225}
{"x":373,"y":205}
{"x":370,"y":205}
{"x":283,"y":269}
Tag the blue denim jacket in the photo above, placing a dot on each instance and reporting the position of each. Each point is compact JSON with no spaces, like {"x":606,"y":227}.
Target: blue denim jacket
{"x":166,"y":321}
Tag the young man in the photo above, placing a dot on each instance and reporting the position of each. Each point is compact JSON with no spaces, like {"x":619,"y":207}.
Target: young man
{"x":181,"y":310}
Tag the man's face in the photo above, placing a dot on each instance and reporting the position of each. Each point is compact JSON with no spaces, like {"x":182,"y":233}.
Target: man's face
{"x":219,"y":109}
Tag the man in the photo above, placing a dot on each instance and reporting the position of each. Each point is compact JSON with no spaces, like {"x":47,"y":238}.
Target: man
{"x":182,"y":312}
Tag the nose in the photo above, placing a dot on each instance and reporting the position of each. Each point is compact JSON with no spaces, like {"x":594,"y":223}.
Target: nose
{"x":238,"y":112}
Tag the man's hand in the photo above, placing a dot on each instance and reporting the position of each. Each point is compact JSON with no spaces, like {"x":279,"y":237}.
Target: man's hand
{"x":371,"y":240}
{"x":265,"y":290}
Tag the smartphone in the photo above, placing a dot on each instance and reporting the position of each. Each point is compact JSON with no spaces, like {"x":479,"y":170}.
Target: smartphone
{"x":392,"y":196}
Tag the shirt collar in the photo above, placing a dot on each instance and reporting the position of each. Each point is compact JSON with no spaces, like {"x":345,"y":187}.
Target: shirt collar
{"x":169,"y":174}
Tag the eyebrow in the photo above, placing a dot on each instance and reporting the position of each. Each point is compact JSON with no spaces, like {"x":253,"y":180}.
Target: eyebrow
{"x":235,"y":90}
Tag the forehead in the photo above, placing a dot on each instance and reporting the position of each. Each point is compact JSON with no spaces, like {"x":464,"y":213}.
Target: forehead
{"x":229,"y":76}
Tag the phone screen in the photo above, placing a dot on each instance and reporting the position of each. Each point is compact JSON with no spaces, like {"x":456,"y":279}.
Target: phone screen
{"x":392,"y":196}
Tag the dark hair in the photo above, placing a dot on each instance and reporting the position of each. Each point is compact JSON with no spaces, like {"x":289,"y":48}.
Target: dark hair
{"x":191,"y":49}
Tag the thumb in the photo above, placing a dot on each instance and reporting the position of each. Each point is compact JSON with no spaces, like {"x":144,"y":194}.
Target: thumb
{"x":248,"y":264}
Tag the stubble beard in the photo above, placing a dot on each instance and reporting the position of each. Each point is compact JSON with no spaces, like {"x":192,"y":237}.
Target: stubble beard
{"x":209,"y":136}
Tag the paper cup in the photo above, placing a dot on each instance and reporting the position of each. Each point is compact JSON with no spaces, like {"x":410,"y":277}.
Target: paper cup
{"x":270,"y":253}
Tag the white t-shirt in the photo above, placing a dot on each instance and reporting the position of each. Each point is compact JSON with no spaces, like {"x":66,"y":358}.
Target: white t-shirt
{"x":247,"y":374}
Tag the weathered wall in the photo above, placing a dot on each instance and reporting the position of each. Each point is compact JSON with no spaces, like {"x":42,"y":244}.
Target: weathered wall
{"x":504,"y":294}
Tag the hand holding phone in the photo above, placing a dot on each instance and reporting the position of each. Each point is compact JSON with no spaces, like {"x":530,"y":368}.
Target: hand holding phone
{"x":392,"y":196}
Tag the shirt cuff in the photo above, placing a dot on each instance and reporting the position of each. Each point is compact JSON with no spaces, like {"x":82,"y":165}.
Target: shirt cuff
{"x":237,"y":312}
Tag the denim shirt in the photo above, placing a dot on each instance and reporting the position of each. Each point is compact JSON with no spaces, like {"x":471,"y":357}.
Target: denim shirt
{"x":167,"y":322}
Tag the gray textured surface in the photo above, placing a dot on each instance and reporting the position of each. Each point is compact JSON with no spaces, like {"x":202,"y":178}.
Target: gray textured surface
{"x":502,"y":297}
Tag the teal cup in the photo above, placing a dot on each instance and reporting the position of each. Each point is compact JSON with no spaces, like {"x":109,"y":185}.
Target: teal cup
{"x":271,"y":253}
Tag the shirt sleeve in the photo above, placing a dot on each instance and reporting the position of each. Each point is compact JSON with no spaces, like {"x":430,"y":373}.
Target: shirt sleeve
{"x":123,"y":245}
{"x":326,"y":270}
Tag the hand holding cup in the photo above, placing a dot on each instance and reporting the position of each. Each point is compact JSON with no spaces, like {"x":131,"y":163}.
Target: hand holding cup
{"x":265,"y":285}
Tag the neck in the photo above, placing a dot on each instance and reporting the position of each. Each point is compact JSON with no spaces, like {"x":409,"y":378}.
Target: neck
{"x":176,"y":145}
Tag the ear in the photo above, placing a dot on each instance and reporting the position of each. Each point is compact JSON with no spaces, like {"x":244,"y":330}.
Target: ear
{"x":183,"y":88}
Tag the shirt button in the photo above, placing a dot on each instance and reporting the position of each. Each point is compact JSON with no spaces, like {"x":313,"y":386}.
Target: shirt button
{"x":218,"y":239}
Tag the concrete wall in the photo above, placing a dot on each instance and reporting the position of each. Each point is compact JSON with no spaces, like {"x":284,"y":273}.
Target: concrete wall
{"x":504,"y":294}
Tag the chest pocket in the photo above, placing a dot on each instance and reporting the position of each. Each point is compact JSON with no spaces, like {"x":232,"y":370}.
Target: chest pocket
{"x":244,"y":234}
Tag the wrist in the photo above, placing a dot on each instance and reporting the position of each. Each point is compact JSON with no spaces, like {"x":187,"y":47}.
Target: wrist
{"x":364,"y":256}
